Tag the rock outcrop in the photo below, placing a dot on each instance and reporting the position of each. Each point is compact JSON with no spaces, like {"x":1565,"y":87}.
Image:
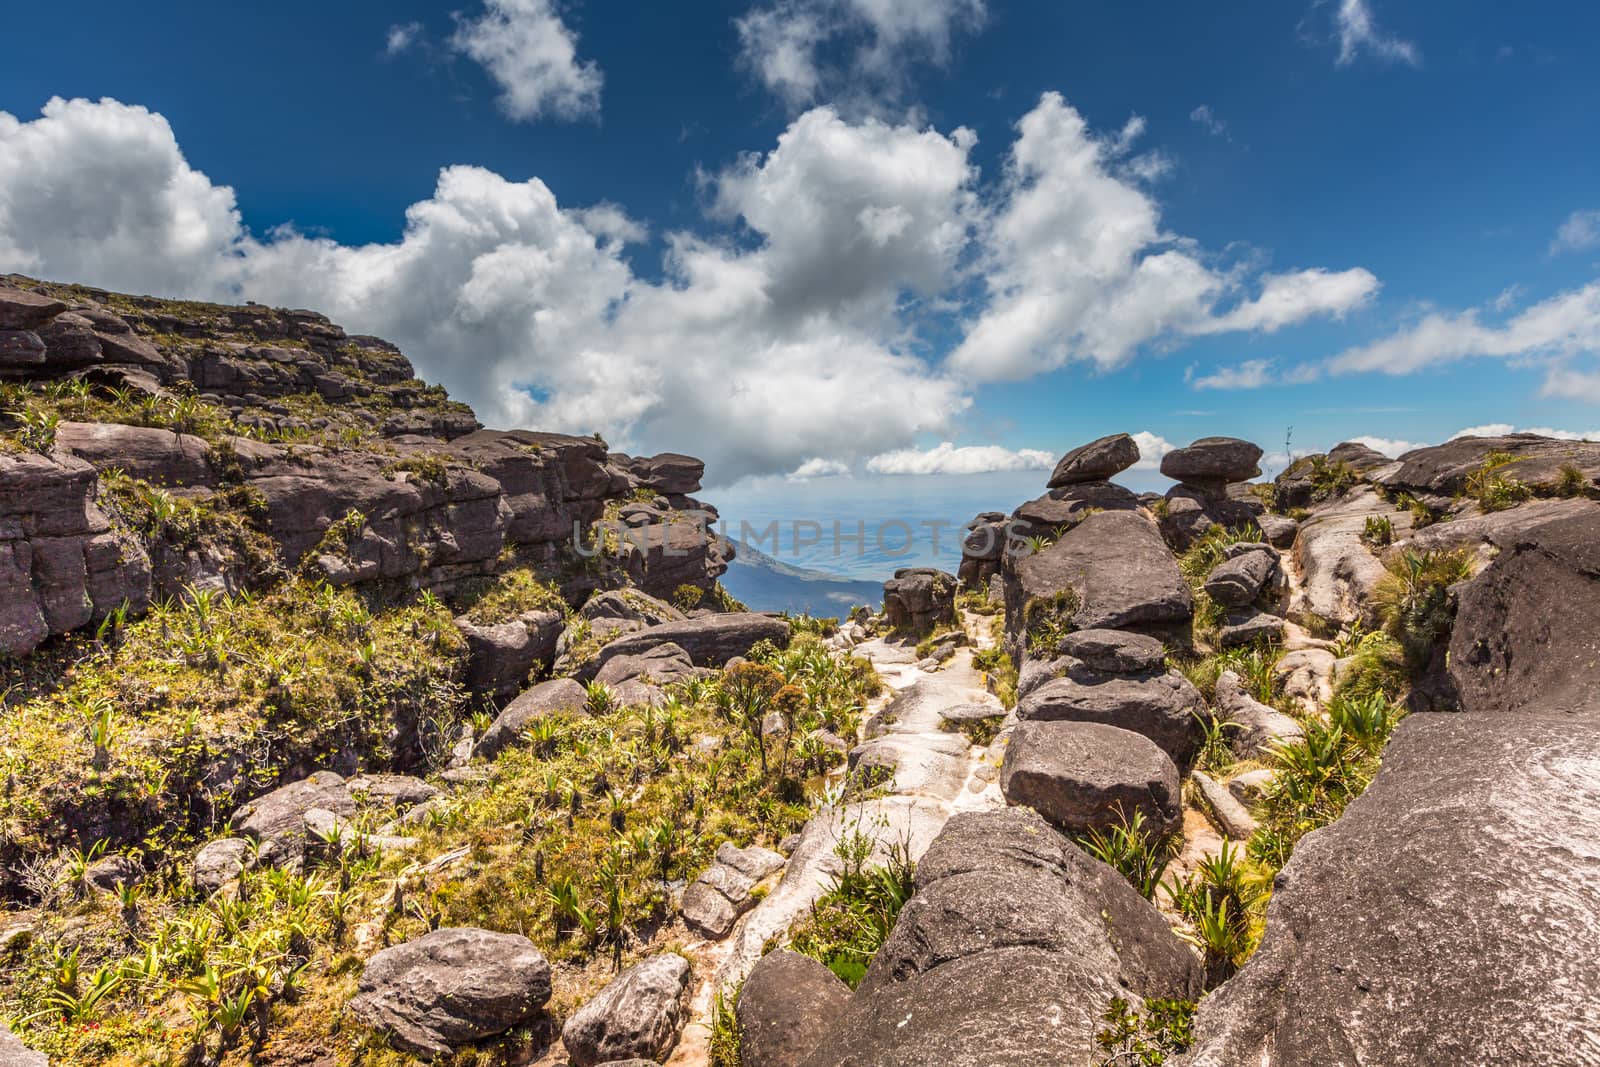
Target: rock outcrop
{"x":919,"y":598}
{"x":1084,"y":776}
{"x":451,"y":987}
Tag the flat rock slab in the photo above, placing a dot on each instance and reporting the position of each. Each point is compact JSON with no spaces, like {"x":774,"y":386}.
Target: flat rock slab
{"x":1084,"y":776}
{"x":1254,"y":727}
{"x":710,"y":641}
{"x":715,"y":900}
{"x":1162,"y":707}
{"x":1337,"y":568}
{"x":452,"y":987}
{"x":930,"y":765}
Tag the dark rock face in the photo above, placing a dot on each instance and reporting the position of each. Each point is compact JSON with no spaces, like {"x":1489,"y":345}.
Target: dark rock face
{"x":500,"y":657}
{"x":1213,"y":461}
{"x":982,"y":546}
{"x":638,"y":1015}
{"x":710,"y":641}
{"x":1007,"y":954}
{"x":1192,"y":510}
{"x":555,"y":697}
{"x":1084,"y":776}
{"x":1527,"y":631}
{"x":1115,"y":651}
{"x":919,"y":598}
{"x":1062,"y":509}
{"x":663,"y":664}
{"x":549,"y":481}
{"x":160,"y":457}
{"x":1114,"y":565}
{"x":1443,"y":470}
{"x":668,"y":473}
{"x":786,"y":1007}
{"x":1097,"y":461}
{"x":451,"y":987}
{"x":1159,"y":706}
{"x":61,"y":564}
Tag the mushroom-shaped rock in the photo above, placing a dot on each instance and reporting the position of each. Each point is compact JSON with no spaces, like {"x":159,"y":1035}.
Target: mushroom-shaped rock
{"x":452,"y":987}
{"x":1084,"y":776}
{"x":1114,"y":651}
{"x":559,"y":696}
{"x":786,"y":1007}
{"x":638,"y":1015}
{"x":1213,"y":461}
{"x":1096,"y":461}
{"x":1162,"y":707}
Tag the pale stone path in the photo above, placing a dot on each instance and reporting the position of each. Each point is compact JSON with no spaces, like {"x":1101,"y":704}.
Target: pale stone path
{"x":936,"y":773}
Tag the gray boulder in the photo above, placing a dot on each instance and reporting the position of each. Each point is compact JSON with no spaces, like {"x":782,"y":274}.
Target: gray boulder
{"x":715,"y":900}
{"x":500,"y":657}
{"x":1213,"y":461}
{"x":1011,"y":948}
{"x":109,"y":873}
{"x":919,"y":598}
{"x":1253,"y":726}
{"x":1114,"y":569}
{"x":21,"y":309}
{"x":1036,"y":672}
{"x":1096,"y":461}
{"x":559,"y":696}
{"x":1239,"y":580}
{"x":663,"y":664}
{"x":1162,"y":707}
{"x":220,"y":862}
{"x":451,"y":987}
{"x":710,"y":641}
{"x":787,"y":1006}
{"x":1443,"y":470}
{"x":1115,"y":651}
{"x":1085,"y":776}
{"x":158,"y":456}
{"x":277,"y":820}
{"x":13,"y":1053}
{"x":1061,"y":509}
{"x":1247,"y":626}
{"x":638,"y":1015}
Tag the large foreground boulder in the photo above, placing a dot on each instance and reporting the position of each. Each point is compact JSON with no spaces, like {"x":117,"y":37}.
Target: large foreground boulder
{"x":786,"y":1007}
{"x":1084,"y":776}
{"x":1011,"y":948}
{"x":451,"y":987}
{"x":1449,"y":916}
{"x":638,"y":1015}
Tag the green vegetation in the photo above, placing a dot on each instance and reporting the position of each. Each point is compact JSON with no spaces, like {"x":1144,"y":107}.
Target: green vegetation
{"x":851,"y":921}
{"x":1196,"y":564}
{"x":724,"y":1048}
{"x":1315,"y":778}
{"x":1571,"y":481}
{"x":1413,"y":598}
{"x":1223,"y":900}
{"x":1135,"y":849}
{"x":1146,"y":1036}
{"x":1379,"y":531}
{"x":1493,"y":488}
{"x":1048,"y":619}
{"x":516,"y":590}
{"x":1001,"y":672}
{"x":1330,"y":479}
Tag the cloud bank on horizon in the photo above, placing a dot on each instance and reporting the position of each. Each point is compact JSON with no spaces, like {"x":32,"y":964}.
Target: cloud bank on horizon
{"x":848,"y":292}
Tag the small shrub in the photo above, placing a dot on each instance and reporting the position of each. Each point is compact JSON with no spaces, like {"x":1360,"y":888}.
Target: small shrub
{"x":1413,"y":598}
{"x":1223,"y":900}
{"x":1571,"y":481}
{"x":1046,"y":620}
{"x":851,"y":921}
{"x":1379,"y":531}
{"x":1331,"y":479}
{"x":1493,"y":489}
{"x":1144,"y":1036}
{"x":1135,"y":849}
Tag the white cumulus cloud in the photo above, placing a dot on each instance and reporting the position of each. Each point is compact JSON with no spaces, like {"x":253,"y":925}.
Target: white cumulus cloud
{"x":805,"y":50}
{"x":1392,"y":447}
{"x":532,"y":56}
{"x":947,"y":458}
{"x":1358,"y":34}
{"x":1077,"y":267}
{"x":1151,"y":448}
{"x":1580,"y":231}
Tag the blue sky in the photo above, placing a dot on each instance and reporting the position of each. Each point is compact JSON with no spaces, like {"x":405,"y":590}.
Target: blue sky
{"x":828,"y":235}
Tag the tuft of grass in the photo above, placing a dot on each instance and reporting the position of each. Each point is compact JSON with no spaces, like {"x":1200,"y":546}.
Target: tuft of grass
{"x":1135,"y":849}
{"x":724,"y":1048}
{"x":1379,"y":531}
{"x":1493,"y":488}
{"x":1413,"y":598}
{"x":851,"y":921}
{"x":1224,"y":901}
{"x":1571,"y":481}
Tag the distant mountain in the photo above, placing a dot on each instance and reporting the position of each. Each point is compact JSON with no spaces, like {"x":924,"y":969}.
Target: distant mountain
{"x":767,"y":584}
